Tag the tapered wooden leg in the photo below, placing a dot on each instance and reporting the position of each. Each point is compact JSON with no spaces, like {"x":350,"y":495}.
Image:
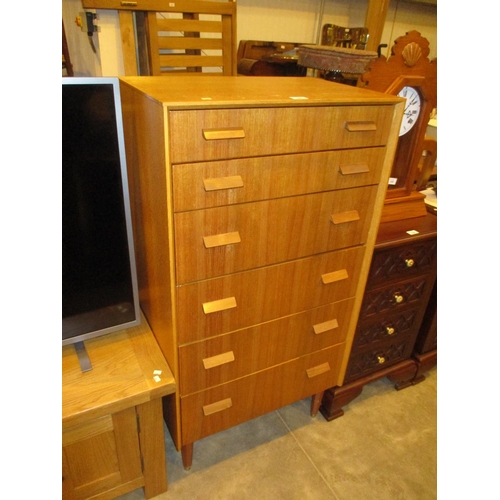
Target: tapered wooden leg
{"x":316,"y":402}
{"x":187,"y":455}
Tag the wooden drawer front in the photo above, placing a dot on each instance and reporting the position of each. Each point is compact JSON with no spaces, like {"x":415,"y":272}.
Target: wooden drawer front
{"x":219,"y":241}
{"x":402,"y":261}
{"x":218,"y":183}
{"x":227,"y":357}
{"x":367,"y":362}
{"x":395,"y":297}
{"x":383,"y":329}
{"x":213,"y":134}
{"x":211,"y":307}
{"x":226,"y":405}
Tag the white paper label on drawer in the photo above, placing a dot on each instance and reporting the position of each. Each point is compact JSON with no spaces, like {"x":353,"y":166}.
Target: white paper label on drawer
{"x":393,"y":181}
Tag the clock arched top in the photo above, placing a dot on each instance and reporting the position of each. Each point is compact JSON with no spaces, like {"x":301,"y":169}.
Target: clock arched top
{"x":408,"y":62}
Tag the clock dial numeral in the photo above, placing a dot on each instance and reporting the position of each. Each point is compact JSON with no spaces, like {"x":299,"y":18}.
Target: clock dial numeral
{"x":412,"y":109}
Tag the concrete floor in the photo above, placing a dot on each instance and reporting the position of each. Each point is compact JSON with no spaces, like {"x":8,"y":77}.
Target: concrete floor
{"x":383,"y":448}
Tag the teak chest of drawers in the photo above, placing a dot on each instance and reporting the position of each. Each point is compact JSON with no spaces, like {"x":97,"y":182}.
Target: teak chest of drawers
{"x":256,"y":207}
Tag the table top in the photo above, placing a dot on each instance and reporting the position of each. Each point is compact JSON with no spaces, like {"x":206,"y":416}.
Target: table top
{"x":406,"y":230}
{"x":128,"y":369}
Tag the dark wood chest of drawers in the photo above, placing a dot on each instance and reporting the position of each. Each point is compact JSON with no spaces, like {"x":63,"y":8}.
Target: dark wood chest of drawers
{"x":400,"y":283}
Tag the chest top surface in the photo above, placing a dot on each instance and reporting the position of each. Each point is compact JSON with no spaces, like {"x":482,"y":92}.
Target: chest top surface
{"x":214,"y":91}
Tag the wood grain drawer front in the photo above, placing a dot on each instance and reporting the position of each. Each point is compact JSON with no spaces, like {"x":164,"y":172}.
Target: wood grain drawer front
{"x":403,"y":261}
{"x":390,"y":326}
{"x":227,"y":357}
{"x":366,"y":362}
{"x":265,"y":294}
{"x":213,"y":134}
{"x":219,"y":241}
{"x":218,"y":183}
{"x":395,"y":297}
{"x":224,"y":406}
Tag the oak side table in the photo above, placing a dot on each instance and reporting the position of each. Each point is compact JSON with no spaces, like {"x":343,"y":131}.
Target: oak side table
{"x":112,"y":421}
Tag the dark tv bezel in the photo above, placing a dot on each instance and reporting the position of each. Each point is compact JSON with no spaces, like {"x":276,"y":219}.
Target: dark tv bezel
{"x":114,"y":82}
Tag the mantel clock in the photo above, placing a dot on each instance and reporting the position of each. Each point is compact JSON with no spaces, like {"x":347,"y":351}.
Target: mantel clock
{"x":407,"y":73}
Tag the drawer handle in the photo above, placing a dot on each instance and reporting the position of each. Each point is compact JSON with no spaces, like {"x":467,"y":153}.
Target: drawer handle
{"x":390,"y":330}
{"x":217,"y":134}
{"x":128,"y":4}
{"x":220,"y":359}
{"x":398,"y":298}
{"x":326,"y":326}
{"x":344,"y":217}
{"x":219,"y":305}
{"x":217,"y":183}
{"x":381,"y":360}
{"x":360,"y":126}
{"x":318,"y":370}
{"x":218,"y":406}
{"x":219,"y":240}
{"x":354,"y":169}
{"x":334,"y":276}
{"x":409,"y":262}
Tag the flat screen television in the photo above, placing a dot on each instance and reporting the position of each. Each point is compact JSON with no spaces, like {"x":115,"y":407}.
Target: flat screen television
{"x":99,"y":282}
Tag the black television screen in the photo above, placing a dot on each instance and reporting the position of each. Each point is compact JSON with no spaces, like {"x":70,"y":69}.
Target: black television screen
{"x":99,"y":284}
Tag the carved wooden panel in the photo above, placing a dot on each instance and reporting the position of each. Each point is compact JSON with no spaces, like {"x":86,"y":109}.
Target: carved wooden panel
{"x":403,"y":261}
{"x":388,"y":327}
{"x":381,"y":357}
{"x":394,"y":296}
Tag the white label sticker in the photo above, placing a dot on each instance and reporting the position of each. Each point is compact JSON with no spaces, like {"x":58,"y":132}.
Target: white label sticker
{"x":157,"y":372}
{"x":157,"y":378}
{"x":412,"y":232}
{"x":393,"y":181}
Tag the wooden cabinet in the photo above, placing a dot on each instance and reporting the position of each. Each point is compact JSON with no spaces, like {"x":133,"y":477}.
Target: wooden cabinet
{"x":256,"y":206}
{"x":425,"y":350}
{"x":112,"y":425}
{"x":396,"y":302}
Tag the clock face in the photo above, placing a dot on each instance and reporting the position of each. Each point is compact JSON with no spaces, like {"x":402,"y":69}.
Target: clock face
{"x":412,"y":109}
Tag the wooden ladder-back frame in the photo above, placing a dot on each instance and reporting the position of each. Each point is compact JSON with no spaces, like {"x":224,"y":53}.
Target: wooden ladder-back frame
{"x":146,"y":49}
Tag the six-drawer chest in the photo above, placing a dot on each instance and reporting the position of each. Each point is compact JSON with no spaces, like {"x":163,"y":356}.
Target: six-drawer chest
{"x":256,"y":205}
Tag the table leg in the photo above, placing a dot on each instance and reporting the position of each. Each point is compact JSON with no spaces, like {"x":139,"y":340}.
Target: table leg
{"x":152,"y":439}
{"x":187,"y":455}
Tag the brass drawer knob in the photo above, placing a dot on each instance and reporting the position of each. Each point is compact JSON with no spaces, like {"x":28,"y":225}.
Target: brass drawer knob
{"x":390,"y":330}
{"x":398,"y":298}
{"x":409,"y":262}
{"x":381,"y":360}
